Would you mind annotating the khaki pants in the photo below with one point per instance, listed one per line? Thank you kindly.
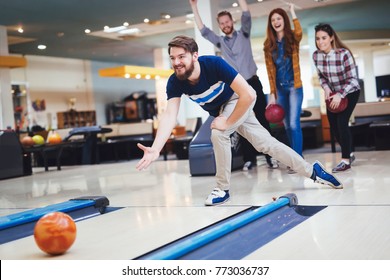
(250, 128)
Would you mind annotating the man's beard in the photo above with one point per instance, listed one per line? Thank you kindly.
(187, 73)
(228, 30)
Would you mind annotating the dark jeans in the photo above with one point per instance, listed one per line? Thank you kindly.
(248, 151)
(339, 124)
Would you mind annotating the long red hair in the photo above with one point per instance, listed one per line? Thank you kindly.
(270, 41)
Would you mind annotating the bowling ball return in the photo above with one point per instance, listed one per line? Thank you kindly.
(19, 225)
(239, 235)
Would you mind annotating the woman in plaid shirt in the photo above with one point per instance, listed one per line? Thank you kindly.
(337, 73)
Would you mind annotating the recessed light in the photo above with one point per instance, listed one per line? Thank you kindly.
(165, 16)
(41, 47)
(87, 31)
(130, 31)
(114, 29)
(20, 30)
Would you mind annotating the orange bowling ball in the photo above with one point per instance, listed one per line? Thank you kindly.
(54, 138)
(55, 233)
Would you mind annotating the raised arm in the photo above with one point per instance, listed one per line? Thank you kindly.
(243, 5)
(198, 19)
(292, 10)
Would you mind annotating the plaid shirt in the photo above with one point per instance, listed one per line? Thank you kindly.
(337, 71)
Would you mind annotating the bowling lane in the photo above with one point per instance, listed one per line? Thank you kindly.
(124, 234)
(335, 233)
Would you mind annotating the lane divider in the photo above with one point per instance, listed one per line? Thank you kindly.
(182, 247)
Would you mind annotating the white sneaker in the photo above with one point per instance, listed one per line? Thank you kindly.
(216, 197)
(272, 164)
(247, 166)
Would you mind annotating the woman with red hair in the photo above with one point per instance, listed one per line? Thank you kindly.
(281, 51)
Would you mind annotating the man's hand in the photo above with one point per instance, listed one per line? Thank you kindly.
(150, 155)
(219, 123)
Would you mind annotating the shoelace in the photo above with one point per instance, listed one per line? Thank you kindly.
(341, 164)
(215, 192)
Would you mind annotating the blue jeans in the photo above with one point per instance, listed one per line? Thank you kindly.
(290, 99)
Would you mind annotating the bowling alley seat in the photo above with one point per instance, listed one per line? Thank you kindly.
(201, 154)
(13, 161)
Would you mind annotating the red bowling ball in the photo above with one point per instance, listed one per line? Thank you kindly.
(274, 113)
(343, 104)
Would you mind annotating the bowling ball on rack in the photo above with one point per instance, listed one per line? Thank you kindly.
(55, 233)
(274, 113)
(38, 140)
(27, 141)
(54, 138)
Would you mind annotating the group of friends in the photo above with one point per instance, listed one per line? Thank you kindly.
(229, 89)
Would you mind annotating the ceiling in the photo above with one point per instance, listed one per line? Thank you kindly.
(60, 25)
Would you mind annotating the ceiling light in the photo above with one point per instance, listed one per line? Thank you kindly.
(165, 16)
(87, 31)
(41, 47)
(125, 23)
(20, 30)
(114, 29)
(234, 5)
(146, 20)
(130, 31)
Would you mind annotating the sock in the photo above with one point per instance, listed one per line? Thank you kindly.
(313, 175)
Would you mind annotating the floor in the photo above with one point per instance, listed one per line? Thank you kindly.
(165, 203)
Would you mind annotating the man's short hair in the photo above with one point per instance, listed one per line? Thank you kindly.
(224, 13)
(184, 42)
